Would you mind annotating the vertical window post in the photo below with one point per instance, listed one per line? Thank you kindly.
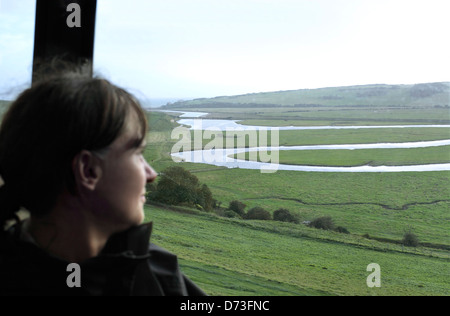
(64, 30)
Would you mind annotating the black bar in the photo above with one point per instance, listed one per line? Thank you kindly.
(58, 38)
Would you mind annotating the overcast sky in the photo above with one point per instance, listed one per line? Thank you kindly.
(206, 48)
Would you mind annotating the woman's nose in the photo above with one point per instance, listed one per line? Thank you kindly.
(149, 172)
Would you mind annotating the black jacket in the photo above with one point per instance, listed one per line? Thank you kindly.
(128, 265)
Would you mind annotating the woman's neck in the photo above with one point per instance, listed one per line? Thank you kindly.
(68, 233)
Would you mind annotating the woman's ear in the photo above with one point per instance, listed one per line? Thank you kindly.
(87, 169)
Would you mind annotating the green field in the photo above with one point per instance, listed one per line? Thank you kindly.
(242, 257)
(360, 157)
(235, 257)
(334, 137)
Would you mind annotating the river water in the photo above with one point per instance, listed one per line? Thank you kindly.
(221, 157)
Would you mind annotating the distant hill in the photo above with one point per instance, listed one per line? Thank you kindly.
(379, 95)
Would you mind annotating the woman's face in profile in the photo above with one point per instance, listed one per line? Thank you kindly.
(125, 173)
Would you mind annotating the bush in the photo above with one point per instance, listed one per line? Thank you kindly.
(237, 207)
(258, 213)
(341, 229)
(231, 214)
(410, 240)
(205, 198)
(324, 222)
(178, 186)
(283, 215)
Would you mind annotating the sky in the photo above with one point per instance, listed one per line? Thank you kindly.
(185, 49)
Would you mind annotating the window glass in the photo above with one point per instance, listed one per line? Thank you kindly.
(352, 95)
(16, 46)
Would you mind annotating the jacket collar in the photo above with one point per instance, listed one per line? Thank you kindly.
(133, 243)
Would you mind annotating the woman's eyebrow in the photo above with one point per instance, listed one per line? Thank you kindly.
(136, 143)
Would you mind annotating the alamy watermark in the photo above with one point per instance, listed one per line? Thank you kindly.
(74, 278)
(374, 278)
(74, 18)
(229, 147)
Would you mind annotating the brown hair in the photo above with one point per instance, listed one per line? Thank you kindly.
(46, 127)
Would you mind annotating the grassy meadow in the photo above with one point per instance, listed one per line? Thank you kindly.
(361, 157)
(236, 257)
(249, 257)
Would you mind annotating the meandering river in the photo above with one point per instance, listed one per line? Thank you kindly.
(224, 157)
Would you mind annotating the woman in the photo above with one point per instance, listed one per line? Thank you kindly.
(71, 155)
